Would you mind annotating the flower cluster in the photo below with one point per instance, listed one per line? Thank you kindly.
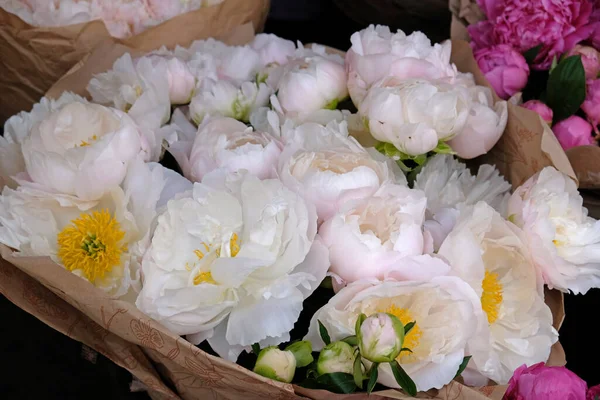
(428, 276)
(410, 96)
(538, 48)
(123, 18)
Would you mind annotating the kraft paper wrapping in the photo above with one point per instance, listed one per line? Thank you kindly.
(172, 368)
(34, 58)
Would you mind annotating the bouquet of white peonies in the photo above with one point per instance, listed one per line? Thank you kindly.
(122, 18)
(54, 35)
(281, 238)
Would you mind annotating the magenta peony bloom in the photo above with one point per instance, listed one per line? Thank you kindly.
(590, 58)
(557, 25)
(542, 109)
(505, 69)
(573, 131)
(539, 382)
(593, 393)
(591, 104)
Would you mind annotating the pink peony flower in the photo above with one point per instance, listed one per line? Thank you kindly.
(505, 69)
(590, 58)
(573, 131)
(593, 393)
(557, 25)
(542, 109)
(591, 104)
(539, 382)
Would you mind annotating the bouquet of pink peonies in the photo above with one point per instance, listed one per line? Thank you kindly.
(543, 55)
(277, 220)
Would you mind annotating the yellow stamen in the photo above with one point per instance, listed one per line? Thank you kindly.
(84, 143)
(491, 298)
(199, 254)
(204, 277)
(93, 244)
(412, 339)
(233, 244)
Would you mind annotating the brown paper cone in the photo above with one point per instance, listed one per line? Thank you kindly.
(171, 367)
(35, 58)
(101, 59)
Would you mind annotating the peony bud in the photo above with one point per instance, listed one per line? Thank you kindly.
(591, 105)
(573, 131)
(380, 337)
(276, 364)
(336, 357)
(302, 352)
(181, 81)
(505, 69)
(311, 83)
(542, 109)
(590, 58)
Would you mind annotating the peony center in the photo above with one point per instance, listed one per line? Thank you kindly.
(412, 338)
(93, 244)
(492, 296)
(206, 276)
(85, 143)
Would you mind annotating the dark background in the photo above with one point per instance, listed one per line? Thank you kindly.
(41, 363)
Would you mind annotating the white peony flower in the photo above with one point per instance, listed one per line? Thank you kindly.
(371, 238)
(485, 125)
(233, 263)
(18, 127)
(222, 98)
(82, 149)
(563, 239)
(445, 311)
(180, 77)
(226, 144)
(449, 187)
(235, 63)
(272, 49)
(377, 53)
(100, 240)
(328, 167)
(487, 252)
(142, 90)
(313, 80)
(415, 115)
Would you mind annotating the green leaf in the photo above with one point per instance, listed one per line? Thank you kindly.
(565, 90)
(531, 54)
(373, 373)
(256, 348)
(358, 373)
(337, 382)
(327, 283)
(462, 366)
(324, 334)
(405, 382)
(554, 64)
(442, 148)
(302, 353)
(408, 327)
(405, 349)
(351, 340)
(359, 321)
